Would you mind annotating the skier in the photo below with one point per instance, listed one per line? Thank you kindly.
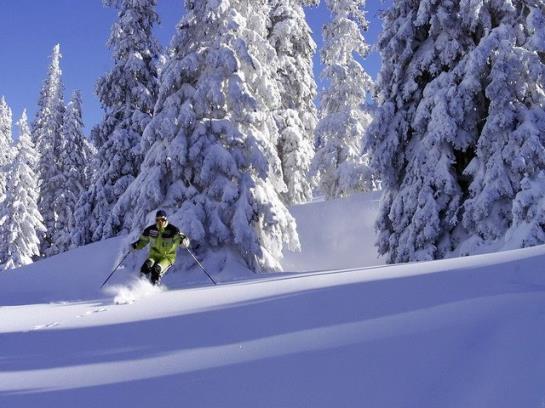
(165, 239)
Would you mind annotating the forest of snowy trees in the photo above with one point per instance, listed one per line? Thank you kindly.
(226, 130)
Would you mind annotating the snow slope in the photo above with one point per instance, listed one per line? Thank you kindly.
(335, 234)
(466, 332)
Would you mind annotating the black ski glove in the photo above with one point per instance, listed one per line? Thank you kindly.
(134, 244)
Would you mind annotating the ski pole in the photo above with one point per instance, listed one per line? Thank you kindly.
(115, 269)
(202, 267)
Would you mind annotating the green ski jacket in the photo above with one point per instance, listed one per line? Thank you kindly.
(164, 242)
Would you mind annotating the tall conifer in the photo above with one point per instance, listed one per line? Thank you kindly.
(290, 35)
(344, 116)
(458, 138)
(20, 208)
(6, 143)
(46, 136)
(212, 161)
(74, 163)
(128, 94)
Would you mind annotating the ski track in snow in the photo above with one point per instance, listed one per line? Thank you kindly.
(91, 312)
(119, 295)
(59, 324)
(46, 326)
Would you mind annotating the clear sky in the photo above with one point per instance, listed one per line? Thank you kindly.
(29, 29)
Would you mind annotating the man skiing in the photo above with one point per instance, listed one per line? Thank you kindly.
(165, 239)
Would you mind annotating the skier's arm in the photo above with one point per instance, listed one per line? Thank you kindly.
(141, 243)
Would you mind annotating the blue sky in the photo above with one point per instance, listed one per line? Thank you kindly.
(30, 28)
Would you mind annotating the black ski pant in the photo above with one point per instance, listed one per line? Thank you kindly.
(155, 269)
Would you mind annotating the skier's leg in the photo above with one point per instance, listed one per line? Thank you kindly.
(158, 270)
(146, 268)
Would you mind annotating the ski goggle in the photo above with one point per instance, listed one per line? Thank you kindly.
(161, 219)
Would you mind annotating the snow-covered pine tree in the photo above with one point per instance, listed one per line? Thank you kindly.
(459, 133)
(6, 156)
(212, 149)
(90, 153)
(20, 209)
(128, 94)
(425, 128)
(6, 142)
(290, 35)
(339, 163)
(46, 134)
(509, 61)
(74, 176)
(528, 212)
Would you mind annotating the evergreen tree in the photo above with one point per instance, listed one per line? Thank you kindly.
(212, 160)
(46, 133)
(6, 143)
(90, 153)
(528, 212)
(20, 211)
(422, 136)
(295, 118)
(344, 116)
(6, 157)
(128, 94)
(74, 175)
(460, 123)
(511, 145)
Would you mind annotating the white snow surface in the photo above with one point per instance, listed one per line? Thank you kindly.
(463, 332)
